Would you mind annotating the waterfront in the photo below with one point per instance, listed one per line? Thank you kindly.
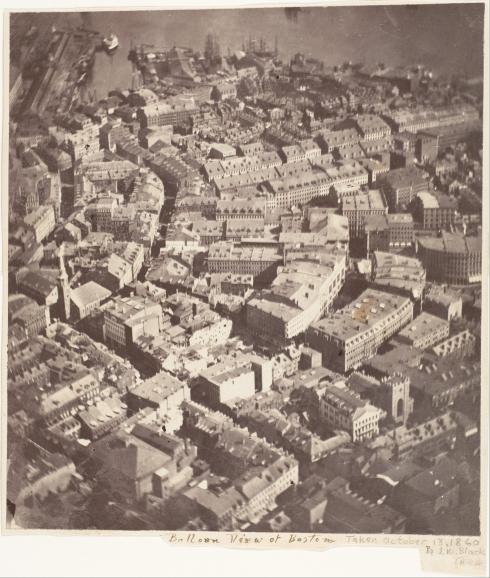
(332, 35)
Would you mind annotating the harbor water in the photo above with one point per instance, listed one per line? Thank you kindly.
(369, 34)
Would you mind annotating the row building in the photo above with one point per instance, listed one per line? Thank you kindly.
(350, 336)
(301, 293)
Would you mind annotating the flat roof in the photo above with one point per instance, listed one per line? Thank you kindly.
(452, 243)
(158, 388)
(229, 252)
(423, 325)
(362, 315)
(370, 200)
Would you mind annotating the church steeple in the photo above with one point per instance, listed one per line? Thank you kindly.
(63, 287)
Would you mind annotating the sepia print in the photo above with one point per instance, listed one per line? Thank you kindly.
(244, 273)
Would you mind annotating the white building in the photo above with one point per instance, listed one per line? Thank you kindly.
(341, 408)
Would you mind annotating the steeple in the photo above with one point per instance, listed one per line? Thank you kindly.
(63, 287)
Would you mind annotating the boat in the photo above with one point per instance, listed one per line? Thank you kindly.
(82, 78)
(110, 42)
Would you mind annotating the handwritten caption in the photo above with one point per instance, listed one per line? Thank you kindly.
(237, 539)
(458, 553)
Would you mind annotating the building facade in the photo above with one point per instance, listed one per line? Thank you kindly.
(352, 335)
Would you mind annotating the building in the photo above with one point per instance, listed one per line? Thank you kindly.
(329, 231)
(223, 91)
(311, 148)
(55, 406)
(372, 127)
(173, 171)
(429, 438)
(208, 231)
(145, 229)
(438, 383)
(133, 467)
(360, 206)
(403, 357)
(379, 148)
(182, 240)
(148, 192)
(207, 329)
(82, 138)
(388, 232)
(421, 119)
(250, 149)
(397, 274)
(165, 113)
(300, 294)
(424, 331)
(220, 509)
(457, 346)
(126, 318)
(237, 229)
(390, 393)
(232, 284)
(430, 493)
(350, 336)
(27, 314)
(259, 472)
(451, 258)
(337, 139)
(302, 188)
(294, 153)
(261, 262)
(401, 185)
(277, 429)
(434, 211)
(261, 486)
(341, 408)
(100, 214)
(177, 472)
(162, 393)
(264, 475)
(41, 288)
(257, 166)
(431, 143)
(129, 148)
(241, 208)
(444, 302)
(43, 474)
(227, 381)
(42, 221)
(142, 97)
(29, 187)
(101, 418)
(125, 267)
(333, 507)
(87, 298)
(96, 176)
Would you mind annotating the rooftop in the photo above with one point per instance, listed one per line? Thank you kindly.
(89, 293)
(398, 272)
(128, 308)
(230, 252)
(424, 324)
(371, 200)
(158, 388)
(362, 315)
(443, 375)
(452, 243)
(38, 282)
